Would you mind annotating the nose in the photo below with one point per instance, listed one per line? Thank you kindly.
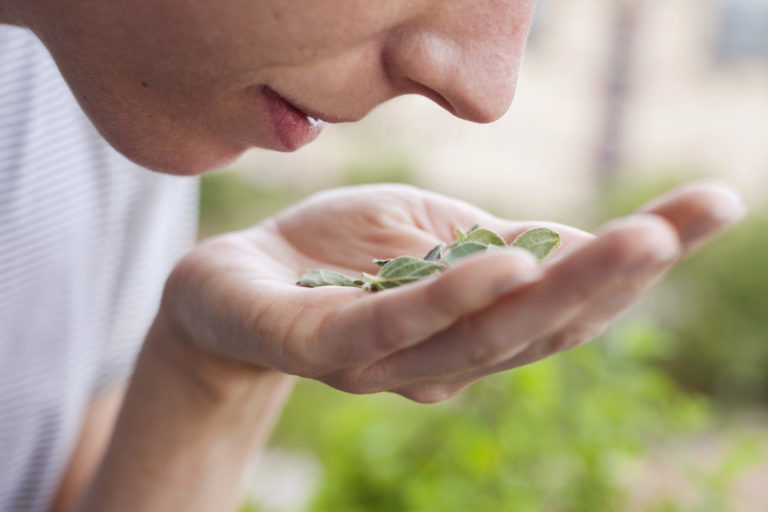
(464, 55)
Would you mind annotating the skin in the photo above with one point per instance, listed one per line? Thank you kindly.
(233, 326)
(428, 340)
(175, 85)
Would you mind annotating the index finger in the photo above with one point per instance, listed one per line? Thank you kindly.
(699, 211)
(368, 329)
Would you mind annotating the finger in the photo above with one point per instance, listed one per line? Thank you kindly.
(382, 323)
(699, 211)
(623, 251)
(587, 325)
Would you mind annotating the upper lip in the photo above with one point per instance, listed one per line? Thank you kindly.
(310, 112)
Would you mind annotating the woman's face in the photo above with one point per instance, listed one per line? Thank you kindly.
(184, 86)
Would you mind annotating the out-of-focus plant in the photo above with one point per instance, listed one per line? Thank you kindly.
(721, 330)
(716, 307)
(249, 506)
(542, 437)
(548, 436)
(743, 453)
(385, 171)
(229, 202)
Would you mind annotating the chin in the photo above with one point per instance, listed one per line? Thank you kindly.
(193, 157)
(192, 164)
(188, 158)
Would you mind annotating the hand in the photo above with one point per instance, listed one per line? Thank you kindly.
(236, 295)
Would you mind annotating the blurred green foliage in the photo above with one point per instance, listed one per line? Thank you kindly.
(715, 305)
(551, 436)
(384, 171)
(543, 437)
(722, 330)
(229, 202)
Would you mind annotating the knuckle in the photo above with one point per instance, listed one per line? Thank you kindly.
(352, 382)
(650, 238)
(428, 394)
(565, 340)
(591, 332)
(558, 342)
(484, 345)
(440, 294)
(389, 332)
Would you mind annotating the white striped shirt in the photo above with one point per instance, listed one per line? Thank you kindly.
(86, 241)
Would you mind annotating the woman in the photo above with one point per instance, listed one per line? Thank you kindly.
(183, 86)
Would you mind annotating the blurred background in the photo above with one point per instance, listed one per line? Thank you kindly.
(618, 101)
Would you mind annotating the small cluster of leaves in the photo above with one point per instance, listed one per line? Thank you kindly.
(541, 242)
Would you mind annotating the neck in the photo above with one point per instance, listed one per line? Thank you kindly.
(9, 14)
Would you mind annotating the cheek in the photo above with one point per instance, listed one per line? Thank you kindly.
(198, 61)
(163, 136)
(229, 46)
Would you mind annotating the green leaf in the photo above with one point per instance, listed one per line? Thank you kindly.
(436, 254)
(463, 250)
(403, 270)
(407, 269)
(372, 283)
(540, 241)
(321, 277)
(485, 237)
(461, 234)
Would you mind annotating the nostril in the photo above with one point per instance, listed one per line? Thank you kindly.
(417, 88)
(473, 82)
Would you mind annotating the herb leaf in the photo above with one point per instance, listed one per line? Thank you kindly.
(320, 277)
(485, 237)
(463, 250)
(407, 269)
(436, 254)
(404, 270)
(461, 235)
(540, 241)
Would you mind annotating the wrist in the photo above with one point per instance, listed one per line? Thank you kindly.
(215, 377)
(190, 420)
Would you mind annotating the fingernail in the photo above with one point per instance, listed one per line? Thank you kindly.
(732, 208)
(727, 210)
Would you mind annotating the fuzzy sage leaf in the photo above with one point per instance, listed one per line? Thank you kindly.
(321, 277)
(402, 270)
(485, 237)
(539, 241)
(461, 234)
(463, 250)
(436, 254)
(407, 269)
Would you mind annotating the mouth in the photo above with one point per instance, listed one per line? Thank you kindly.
(293, 126)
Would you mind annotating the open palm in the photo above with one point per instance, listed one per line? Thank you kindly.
(236, 294)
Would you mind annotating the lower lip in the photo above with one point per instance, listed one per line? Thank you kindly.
(293, 128)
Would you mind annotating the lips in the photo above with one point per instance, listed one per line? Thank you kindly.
(293, 128)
